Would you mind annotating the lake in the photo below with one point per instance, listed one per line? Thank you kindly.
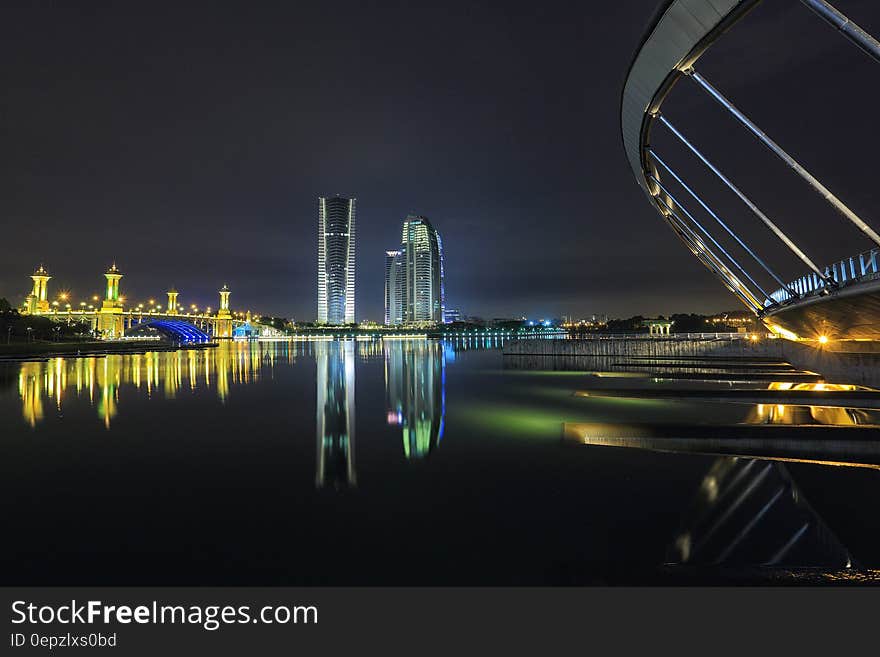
(420, 462)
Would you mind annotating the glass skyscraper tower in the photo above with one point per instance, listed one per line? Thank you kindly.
(394, 282)
(414, 275)
(336, 260)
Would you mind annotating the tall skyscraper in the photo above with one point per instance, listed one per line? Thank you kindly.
(394, 280)
(414, 276)
(336, 260)
(423, 293)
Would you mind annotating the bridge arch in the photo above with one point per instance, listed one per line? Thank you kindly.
(173, 329)
(822, 301)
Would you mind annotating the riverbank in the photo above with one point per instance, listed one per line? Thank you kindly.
(40, 350)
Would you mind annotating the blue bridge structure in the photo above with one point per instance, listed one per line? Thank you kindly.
(173, 330)
(838, 301)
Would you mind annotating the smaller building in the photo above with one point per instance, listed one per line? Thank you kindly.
(658, 326)
(245, 331)
(451, 315)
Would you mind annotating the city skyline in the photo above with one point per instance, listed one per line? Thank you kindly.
(525, 168)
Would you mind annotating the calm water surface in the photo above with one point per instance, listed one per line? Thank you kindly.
(397, 462)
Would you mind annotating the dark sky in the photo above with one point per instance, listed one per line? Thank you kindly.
(190, 141)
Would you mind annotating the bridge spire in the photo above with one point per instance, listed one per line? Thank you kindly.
(172, 301)
(110, 321)
(37, 300)
(223, 323)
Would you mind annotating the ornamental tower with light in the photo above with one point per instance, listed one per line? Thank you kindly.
(223, 323)
(110, 322)
(172, 301)
(37, 300)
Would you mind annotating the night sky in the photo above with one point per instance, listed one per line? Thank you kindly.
(189, 143)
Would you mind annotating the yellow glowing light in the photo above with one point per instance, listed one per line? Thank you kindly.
(754, 338)
(823, 339)
(785, 333)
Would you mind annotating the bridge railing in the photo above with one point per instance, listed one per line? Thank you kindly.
(857, 268)
(671, 336)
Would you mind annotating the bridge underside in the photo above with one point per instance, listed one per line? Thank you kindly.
(174, 330)
(849, 314)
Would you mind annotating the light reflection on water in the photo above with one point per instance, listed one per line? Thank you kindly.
(415, 379)
(99, 380)
(501, 462)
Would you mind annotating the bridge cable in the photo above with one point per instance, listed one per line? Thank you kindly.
(745, 199)
(868, 44)
(715, 216)
(835, 202)
(713, 263)
(693, 219)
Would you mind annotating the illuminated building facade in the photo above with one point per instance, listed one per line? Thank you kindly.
(336, 260)
(394, 282)
(420, 293)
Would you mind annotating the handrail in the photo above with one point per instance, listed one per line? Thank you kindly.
(858, 268)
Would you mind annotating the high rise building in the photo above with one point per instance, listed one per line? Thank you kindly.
(394, 281)
(420, 294)
(336, 260)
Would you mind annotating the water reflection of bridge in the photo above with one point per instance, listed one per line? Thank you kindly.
(838, 301)
(105, 381)
(414, 387)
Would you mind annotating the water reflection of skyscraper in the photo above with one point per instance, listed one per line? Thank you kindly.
(335, 419)
(415, 393)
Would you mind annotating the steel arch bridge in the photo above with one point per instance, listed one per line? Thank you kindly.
(841, 300)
